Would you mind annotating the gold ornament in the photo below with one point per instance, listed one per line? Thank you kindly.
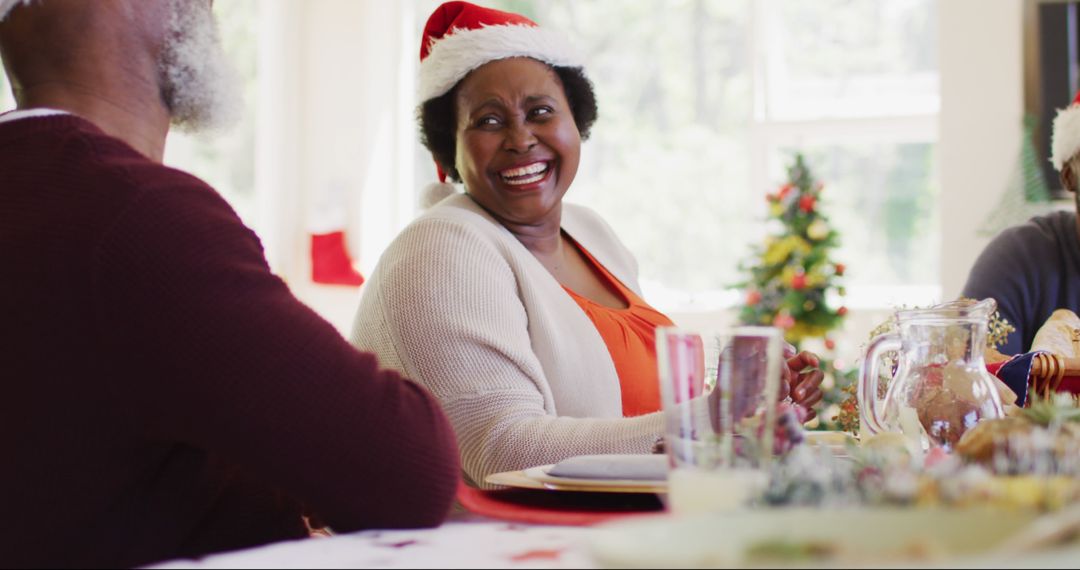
(817, 230)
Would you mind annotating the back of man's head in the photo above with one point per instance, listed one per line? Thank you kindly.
(169, 50)
(76, 40)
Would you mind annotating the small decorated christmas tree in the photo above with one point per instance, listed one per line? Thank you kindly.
(791, 275)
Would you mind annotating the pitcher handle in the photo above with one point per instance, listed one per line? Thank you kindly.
(868, 381)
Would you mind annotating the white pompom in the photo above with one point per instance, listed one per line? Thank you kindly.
(435, 192)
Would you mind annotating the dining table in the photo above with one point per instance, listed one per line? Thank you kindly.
(522, 527)
(464, 541)
(472, 540)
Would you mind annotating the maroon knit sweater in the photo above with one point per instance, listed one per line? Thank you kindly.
(164, 395)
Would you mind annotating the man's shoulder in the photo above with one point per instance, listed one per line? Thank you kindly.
(1026, 255)
(1040, 234)
(127, 167)
(1059, 226)
(79, 163)
(149, 184)
(148, 195)
(83, 154)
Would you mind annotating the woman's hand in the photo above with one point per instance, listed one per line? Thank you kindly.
(802, 379)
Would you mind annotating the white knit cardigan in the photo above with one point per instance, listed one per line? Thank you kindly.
(459, 305)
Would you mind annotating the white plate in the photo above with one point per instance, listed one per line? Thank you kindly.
(856, 537)
(538, 478)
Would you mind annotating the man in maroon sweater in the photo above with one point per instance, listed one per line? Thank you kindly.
(164, 395)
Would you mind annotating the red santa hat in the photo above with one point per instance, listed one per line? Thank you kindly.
(460, 37)
(1066, 137)
(7, 5)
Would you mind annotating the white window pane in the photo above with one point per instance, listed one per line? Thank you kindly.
(851, 58)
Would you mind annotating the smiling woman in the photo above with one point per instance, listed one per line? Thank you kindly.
(521, 313)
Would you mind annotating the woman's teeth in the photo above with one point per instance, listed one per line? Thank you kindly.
(527, 174)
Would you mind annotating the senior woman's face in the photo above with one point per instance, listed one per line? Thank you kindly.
(518, 147)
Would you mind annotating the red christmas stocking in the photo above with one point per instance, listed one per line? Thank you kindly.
(330, 261)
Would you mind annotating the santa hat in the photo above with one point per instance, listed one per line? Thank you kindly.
(460, 37)
(1066, 137)
(7, 5)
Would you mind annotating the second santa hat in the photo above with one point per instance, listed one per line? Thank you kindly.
(1066, 134)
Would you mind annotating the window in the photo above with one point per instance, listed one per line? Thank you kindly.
(702, 104)
(854, 85)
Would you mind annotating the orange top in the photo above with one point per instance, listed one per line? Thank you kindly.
(630, 336)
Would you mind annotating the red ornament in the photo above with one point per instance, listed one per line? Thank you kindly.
(784, 191)
(806, 203)
(830, 344)
(798, 282)
(784, 321)
(840, 267)
(841, 311)
(753, 297)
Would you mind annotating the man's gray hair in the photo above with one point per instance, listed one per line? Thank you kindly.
(7, 5)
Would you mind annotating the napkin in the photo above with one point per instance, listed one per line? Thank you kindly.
(651, 467)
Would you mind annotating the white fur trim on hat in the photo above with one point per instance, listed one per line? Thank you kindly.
(461, 51)
(1066, 138)
(7, 5)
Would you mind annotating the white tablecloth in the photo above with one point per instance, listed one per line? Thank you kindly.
(469, 541)
(459, 544)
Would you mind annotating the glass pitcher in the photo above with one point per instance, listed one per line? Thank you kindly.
(941, 387)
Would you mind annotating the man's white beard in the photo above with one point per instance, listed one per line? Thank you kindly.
(200, 86)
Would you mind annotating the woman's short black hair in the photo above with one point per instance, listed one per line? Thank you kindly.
(438, 117)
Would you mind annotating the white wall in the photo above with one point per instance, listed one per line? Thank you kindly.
(981, 112)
